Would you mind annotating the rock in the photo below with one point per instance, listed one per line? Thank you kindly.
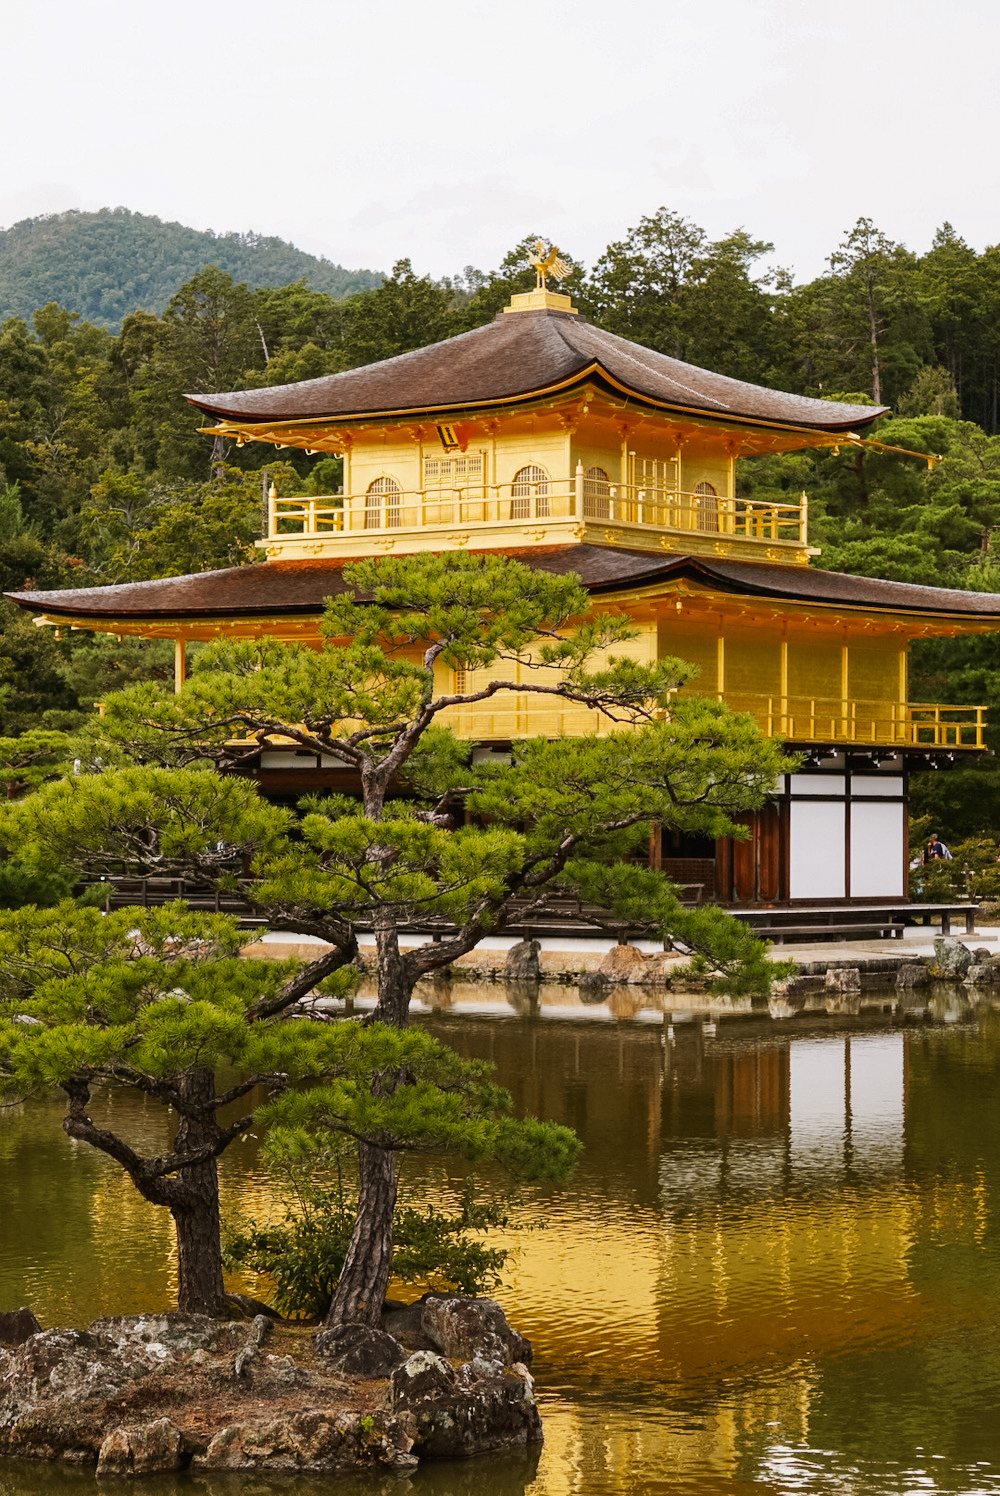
(660, 966)
(593, 988)
(912, 974)
(404, 1323)
(359, 1351)
(522, 963)
(55, 1397)
(17, 1326)
(313, 1441)
(244, 1305)
(258, 1331)
(463, 1328)
(796, 986)
(982, 974)
(951, 957)
(168, 1334)
(459, 1415)
(843, 979)
(623, 963)
(982, 953)
(141, 1451)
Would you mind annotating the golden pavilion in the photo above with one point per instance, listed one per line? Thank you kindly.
(572, 449)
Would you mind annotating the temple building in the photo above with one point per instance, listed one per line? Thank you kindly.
(572, 449)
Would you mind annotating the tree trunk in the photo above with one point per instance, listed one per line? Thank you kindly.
(395, 983)
(367, 1267)
(876, 379)
(200, 1285)
(859, 469)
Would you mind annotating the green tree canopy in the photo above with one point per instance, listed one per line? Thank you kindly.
(563, 816)
(159, 1002)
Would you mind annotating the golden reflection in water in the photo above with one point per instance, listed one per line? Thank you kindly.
(782, 1239)
(776, 1270)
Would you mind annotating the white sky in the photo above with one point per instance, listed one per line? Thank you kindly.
(445, 131)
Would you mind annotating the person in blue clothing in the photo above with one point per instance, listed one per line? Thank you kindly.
(935, 850)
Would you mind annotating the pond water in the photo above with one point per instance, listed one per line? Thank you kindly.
(777, 1269)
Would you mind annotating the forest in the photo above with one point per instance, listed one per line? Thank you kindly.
(104, 477)
(107, 264)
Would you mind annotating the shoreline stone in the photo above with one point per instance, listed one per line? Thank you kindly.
(522, 964)
(952, 959)
(17, 1326)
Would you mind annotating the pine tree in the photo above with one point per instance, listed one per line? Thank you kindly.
(431, 841)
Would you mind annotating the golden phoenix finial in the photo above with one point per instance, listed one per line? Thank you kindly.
(548, 264)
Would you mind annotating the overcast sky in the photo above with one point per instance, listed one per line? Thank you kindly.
(370, 130)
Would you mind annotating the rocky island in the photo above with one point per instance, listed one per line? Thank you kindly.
(445, 1378)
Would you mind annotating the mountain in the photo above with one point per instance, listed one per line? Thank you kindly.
(107, 264)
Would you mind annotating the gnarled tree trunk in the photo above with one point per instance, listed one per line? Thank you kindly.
(364, 1281)
(195, 1205)
(368, 1265)
(395, 980)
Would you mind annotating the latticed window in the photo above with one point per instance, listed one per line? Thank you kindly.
(530, 484)
(596, 493)
(447, 470)
(708, 507)
(387, 492)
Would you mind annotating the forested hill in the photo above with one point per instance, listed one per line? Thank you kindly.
(107, 264)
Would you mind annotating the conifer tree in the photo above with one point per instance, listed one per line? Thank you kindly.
(159, 1002)
(431, 841)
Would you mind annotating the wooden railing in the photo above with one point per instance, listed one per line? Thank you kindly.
(796, 719)
(828, 720)
(484, 505)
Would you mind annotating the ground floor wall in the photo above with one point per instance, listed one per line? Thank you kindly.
(834, 832)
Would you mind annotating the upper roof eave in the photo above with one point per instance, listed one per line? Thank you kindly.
(520, 358)
(594, 373)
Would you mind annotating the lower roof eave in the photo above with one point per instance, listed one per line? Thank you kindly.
(275, 590)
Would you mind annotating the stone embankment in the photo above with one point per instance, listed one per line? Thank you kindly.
(841, 983)
(447, 1378)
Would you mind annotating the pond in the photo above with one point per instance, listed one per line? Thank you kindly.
(777, 1269)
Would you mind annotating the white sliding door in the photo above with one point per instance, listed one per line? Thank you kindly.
(816, 861)
(876, 849)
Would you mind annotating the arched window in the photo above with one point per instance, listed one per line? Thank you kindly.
(386, 489)
(708, 507)
(529, 490)
(596, 494)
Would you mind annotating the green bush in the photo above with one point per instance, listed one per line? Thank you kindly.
(304, 1253)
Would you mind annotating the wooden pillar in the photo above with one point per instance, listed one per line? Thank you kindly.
(724, 869)
(180, 665)
(845, 669)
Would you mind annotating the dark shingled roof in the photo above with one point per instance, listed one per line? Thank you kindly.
(297, 588)
(515, 358)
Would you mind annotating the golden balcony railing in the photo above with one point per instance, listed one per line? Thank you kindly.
(818, 719)
(796, 719)
(386, 509)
